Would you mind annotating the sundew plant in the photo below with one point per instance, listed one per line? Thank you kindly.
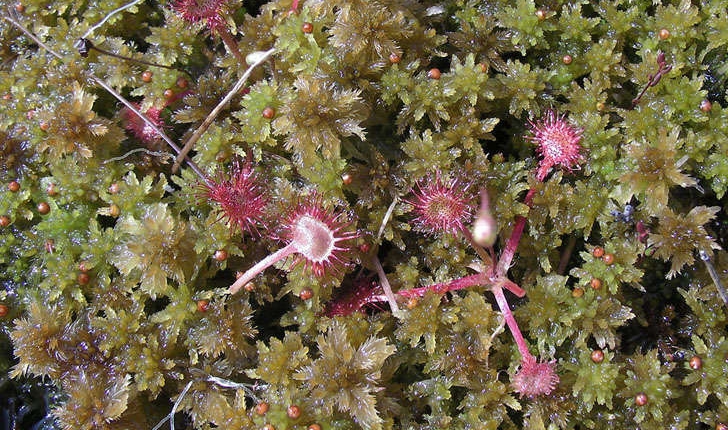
(383, 214)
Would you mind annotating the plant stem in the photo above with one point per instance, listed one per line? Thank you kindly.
(510, 251)
(231, 43)
(216, 111)
(442, 288)
(385, 285)
(262, 265)
(505, 309)
(566, 255)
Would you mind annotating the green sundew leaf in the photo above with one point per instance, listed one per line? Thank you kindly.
(651, 169)
(467, 79)
(421, 323)
(256, 127)
(647, 374)
(710, 378)
(153, 248)
(521, 86)
(279, 360)
(177, 313)
(677, 237)
(427, 151)
(596, 383)
(345, 376)
(527, 29)
(226, 328)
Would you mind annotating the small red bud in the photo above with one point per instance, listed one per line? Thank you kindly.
(706, 106)
(220, 255)
(4, 310)
(347, 179)
(598, 252)
(541, 14)
(314, 427)
(307, 28)
(305, 294)
(566, 59)
(597, 356)
(168, 94)
(147, 76)
(293, 412)
(14, 186)
(43, 208)
(4, 221)
(203, 305)
(19, 7)
(51, 189)
(262, 408)
(577, 292)
(269, 112)
(608, 259)
(182, 83)
(412, 302)
(434, 73)
(640, 399)
(664, 34)
(83, 278)
(596, 283)
(696, 363)
(394, 58)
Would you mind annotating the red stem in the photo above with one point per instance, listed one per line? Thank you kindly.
(261, 266)
(510, 251)
(442, 288)
(500, 298)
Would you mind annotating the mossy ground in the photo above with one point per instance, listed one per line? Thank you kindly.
(115, 267)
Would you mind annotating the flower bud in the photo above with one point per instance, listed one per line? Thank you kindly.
(485, 228)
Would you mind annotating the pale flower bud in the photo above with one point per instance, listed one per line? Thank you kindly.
(485, 228)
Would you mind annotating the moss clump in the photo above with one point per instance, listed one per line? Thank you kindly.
(596, 130)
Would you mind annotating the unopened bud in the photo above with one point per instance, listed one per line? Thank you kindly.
(485, 228)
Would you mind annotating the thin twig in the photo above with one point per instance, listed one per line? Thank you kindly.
(170, 416)
(107, 17)
(114, 93)
(714, 275)
(385, 285)
(387, 215)
(566, 255)
(151, 124)
(87, 43)
(220, 106)
(144, 150)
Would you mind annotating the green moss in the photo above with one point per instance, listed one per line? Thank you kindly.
(114, 293)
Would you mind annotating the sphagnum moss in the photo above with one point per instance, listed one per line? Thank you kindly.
(115, 270)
